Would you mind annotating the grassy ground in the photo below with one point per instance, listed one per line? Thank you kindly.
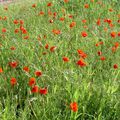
(71, 49)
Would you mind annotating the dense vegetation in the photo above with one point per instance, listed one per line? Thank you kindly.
(60, 60)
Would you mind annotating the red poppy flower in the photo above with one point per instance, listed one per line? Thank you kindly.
(26, 37)
(62, 19)
(99, 43)
(108, 21)
(82, 54)
(105, 29)
(98, 22)
(12, 48)
(111, 25)
(49, 4)
(115, 66)
(99, 53)
(114, 49)
(86, 5)
(32, 81)
(21, 22)
(110, 9)
(81, 63)
(49, 13)
(85, 26)
(16, 30)
(13, 81)
(13, 64)
(35, 89)
(74, 106)
(34, 5)
(39, 38)
(41, 13)
(55, 31)
(4, 18)
(70, 16)
(43, 91)
(84, 21)
(1, 70)
(119, 34)
(72, 24)
(26, 69)
(66, 1)
(15, 21)
(44, 53)
(116, 44)
(21, 27)
(55, 14)
(84, 34)
(102, 58)
(38, 73)
(46, 46)
(53, 48)
(4, 30)
(24, 31)
(118, 21)
(65, 59)
(113, 34)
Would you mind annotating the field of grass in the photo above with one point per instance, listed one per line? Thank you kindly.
(60, 60)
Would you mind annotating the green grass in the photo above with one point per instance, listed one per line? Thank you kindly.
(95, 87)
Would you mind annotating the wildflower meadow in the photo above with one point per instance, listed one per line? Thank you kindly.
(60, 60)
